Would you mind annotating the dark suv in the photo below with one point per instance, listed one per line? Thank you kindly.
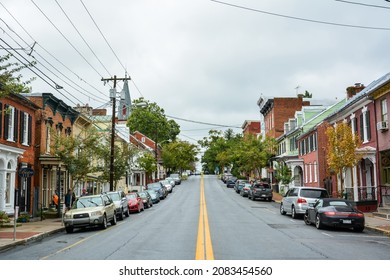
(260, 190)
(121, 204)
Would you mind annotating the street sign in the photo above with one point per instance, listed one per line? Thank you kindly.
(26, 172)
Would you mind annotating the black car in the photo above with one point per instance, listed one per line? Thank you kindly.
(334, 212)
(260, 190)
(154, 195)
(231, 182)
(146, 198)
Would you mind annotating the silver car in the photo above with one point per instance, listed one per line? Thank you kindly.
(297, 200)
(88, 211)
(121, 203)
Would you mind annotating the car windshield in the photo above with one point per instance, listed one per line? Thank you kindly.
(165, 182)
(84, 202)
(143, 195)
(152, 193)
(338, 203)
(131, 196)
(114, 196)
(175, 176)
(313, 193)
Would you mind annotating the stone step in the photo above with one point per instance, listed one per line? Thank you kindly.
(382, 215)
(384, 210)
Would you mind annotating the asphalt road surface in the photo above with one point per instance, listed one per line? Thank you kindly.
(202, 219)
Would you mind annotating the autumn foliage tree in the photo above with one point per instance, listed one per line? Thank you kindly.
(342, 145)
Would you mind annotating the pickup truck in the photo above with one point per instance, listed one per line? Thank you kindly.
(260, 190)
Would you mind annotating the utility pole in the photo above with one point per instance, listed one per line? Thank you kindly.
(113, 98)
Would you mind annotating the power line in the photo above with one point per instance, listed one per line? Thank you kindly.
(364, 4)
(51, 55)
(301, 19)
(108, 44)
(199, 122)
(70, 43)
(78, 32)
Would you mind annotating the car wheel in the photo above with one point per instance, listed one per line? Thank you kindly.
(306, 219)
(282, 212)
(293, 213)
(253, 197)
(127, 213)
(319, 224)
(121, 215)
(69, 229)
(104, 224)
(113, 221)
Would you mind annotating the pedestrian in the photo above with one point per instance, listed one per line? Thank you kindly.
(55, 199)
(68, 199)
(73, 198)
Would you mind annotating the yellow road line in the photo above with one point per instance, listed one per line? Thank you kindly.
(204, 247)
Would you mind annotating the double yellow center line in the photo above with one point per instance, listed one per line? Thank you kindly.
(204, 247)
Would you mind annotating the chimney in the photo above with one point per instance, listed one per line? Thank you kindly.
(353, 90)
(99, 112)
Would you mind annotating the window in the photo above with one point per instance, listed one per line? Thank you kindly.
(10, 124)
(8, 184)
(25, 128)
(48, 139)
(384, 117)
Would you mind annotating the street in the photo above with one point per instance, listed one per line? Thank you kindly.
(220, 225)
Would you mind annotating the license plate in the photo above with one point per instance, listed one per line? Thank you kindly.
(263, 195)
(347, 221)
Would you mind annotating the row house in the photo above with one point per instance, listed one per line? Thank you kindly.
(275, 112)
(156, 148)
(17, 143)
(50, 175)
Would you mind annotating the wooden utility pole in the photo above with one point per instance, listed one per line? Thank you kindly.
(113, 98)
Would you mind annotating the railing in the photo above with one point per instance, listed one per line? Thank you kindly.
(364, 193)
(385, 194)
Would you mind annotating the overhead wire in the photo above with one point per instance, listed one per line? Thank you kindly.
(300, 18)
(51, 55)
(31, 69)
(364, 4)
(82, 37)
(49, 70)
(108, 44)
(66, 39)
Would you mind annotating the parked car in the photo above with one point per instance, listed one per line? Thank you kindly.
(121, 203)
(162, 193)
(176, 177)
(146, 199)
(260, 190)
(239, 185)
(154, 195)
(172, 181)
(297, 200)
(90, 211)
(245, 189)
(225, 177)
(167, 184)
(135, 202)
(231, 182)
(334, 212)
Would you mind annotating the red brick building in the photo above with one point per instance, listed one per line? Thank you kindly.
(17, 141)
(277, 111)
(251, 127)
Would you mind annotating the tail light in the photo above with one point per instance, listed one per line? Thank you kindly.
(301, 200)
(330, 213)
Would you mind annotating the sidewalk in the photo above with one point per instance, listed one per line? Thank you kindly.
(30, 231)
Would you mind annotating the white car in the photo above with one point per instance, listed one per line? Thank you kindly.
(167, 184)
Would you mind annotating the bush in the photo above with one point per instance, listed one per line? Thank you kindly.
(4, 219)
(23, 218)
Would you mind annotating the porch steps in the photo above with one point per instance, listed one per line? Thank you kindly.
(383, 212)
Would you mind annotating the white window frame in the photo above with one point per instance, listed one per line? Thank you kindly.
(11, 124)
(25, 129)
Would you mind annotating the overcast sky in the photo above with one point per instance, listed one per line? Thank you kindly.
(202, 60)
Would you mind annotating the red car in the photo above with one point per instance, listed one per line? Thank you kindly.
(135, 202)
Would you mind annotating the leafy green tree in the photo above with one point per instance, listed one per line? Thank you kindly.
(77, 152)
(147, 162)
(10, 79)
(252, 153)
(342, 145)
(179, 155)
(151, 121)
(214, 145)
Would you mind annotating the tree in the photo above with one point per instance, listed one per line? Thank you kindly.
(283, 173)
(77, 152)
(151, 121)
(147, 162)
(252, 153)
(179, 155)
(342, 145)
(10, 80)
